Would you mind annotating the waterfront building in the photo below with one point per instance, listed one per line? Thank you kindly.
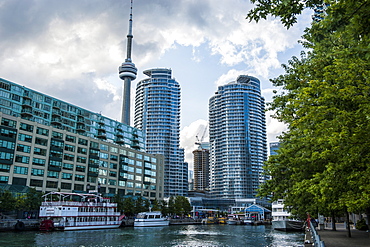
(50, 144)
(127, 72)
(201, 167)
(157, 114)
(237, 131)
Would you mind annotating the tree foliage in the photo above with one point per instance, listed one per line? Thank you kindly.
(324, 160)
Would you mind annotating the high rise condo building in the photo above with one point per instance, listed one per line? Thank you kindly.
(49, 144)
(157, 114)
(237, 131)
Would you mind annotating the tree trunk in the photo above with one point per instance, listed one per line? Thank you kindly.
(333, 226)
(347, 225)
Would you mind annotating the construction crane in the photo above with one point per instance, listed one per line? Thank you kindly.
(199, 141)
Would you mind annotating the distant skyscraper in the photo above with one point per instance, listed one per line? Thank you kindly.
(201, 168)
(127, 72)
(157, 113)
(274, 146)
(237, 131)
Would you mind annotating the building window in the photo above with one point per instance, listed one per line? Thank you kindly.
(42, 131)
(56, 154)
(69, 157)
(79, 187)
(67, 176)
(4, 168)
(37, 172)
(112, 174)
(79, 177)
(6, 156)
(66, 186)
(103, 163)
(112, 182)
(103, 155)
(82, 141)
(104, 147)
(58, 144)
(81, 150)
(7, 144)
(8, 133)
(81, 159)
(52, 174)
(70, 138)
(38, 162)
(80, 168)
(26, 127)
(113, 150)
(69, 148)
(36, 183)
(23, 148)
(39, 151)
(57, 135)
(25, 138)
(94, 145)
(8, 122)
(22, 159)
(113, 157)
(51, 184)
(41, 141)
(55, 163)
(113, 166)
(20, 170)
(67, 166)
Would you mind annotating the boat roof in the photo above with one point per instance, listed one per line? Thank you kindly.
(66, 194)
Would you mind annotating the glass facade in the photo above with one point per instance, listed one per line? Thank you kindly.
(19, 101)
(237, 130)
(157, 114)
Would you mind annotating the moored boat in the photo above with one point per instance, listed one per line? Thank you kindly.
(154, 218)
(77, 211)
(282, 220)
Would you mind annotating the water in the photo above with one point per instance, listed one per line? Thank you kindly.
(187, 235)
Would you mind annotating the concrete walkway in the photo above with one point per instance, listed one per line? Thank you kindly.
(339, 238)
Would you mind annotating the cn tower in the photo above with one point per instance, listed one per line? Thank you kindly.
(127, 72)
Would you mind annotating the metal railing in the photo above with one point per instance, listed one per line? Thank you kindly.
(316, 237)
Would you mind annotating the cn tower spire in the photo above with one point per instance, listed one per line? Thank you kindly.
(127, 72)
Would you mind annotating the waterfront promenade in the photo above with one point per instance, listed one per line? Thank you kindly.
(339, 237)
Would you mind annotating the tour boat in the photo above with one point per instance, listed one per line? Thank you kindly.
(76, 211)
(154, 218)
(282, 220)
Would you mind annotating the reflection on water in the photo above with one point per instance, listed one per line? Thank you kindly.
(188, 235)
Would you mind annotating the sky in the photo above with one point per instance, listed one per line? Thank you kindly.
(72, 49)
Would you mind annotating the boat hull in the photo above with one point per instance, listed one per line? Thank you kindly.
(141, 223)
(96, 227)
(287, 225)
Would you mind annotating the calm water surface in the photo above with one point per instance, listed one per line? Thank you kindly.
(188, 235)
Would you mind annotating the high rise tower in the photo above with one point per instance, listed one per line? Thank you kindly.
(127, 72)
(157, 113)
(237, 133)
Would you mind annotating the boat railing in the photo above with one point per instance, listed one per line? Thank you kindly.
(72, 203)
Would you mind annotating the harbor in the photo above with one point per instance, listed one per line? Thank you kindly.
(173, 235)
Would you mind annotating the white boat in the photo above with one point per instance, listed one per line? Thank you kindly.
(154, 218)
(282, 220)
(76, 211)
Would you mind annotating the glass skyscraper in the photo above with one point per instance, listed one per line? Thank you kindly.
(157, 114)
(237, 131)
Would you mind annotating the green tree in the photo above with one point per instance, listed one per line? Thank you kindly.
(181, 206)
(323, 163)
(128, 206)
(7, 201)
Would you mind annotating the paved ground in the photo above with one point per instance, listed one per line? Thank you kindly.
(339, 238)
